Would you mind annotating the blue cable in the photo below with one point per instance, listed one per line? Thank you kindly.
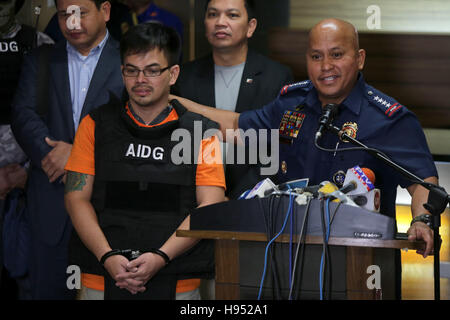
(327, 235)
(288, 213)
(290, 248)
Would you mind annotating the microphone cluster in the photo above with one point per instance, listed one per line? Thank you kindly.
(358, 189)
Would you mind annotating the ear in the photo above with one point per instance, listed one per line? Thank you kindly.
(174, 73)
(105, 8)
(252, 24)
(361, 58)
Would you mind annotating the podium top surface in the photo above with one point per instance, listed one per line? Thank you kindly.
(337, 241)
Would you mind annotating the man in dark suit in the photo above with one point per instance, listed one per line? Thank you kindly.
(232, 75)
(83, 71)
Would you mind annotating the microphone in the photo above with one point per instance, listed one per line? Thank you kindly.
(369, 200)
(327, 187)
(359, 186)
(329, 112)
(330, 190)
(358, 181)
(298, 186)
(349, 187)
(261, 189)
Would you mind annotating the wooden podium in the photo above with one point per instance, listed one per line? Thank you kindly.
(360, 254)
(239, 228)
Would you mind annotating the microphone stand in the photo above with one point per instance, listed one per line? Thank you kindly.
(438, 198)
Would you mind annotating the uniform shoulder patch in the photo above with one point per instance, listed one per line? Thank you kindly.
(303, 85)
(388, 105)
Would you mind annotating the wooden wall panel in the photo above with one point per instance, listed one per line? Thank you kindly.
(417, 16)
(411, 68)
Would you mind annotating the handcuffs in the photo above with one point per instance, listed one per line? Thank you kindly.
(131, 254)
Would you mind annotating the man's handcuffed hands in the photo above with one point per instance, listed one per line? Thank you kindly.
(133, 275)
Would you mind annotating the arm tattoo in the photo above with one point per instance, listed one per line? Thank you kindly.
(75, 181)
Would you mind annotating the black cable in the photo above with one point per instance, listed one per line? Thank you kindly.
(266, 222)
(349, 149)
(324, 248)
(270, 222)
(335, 212)
(330, 281)
(268, 219)
(300, 245)
(326, 271)
(276, 288)
(328, 265)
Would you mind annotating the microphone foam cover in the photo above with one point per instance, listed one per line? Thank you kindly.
(370, 174)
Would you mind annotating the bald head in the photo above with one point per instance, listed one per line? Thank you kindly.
(334, 59)
(338, 27)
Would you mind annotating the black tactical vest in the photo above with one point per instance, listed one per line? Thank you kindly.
(140, 195)
(11, 57)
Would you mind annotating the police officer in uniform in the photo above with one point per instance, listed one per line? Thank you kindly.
(141, 194)
(335, 62)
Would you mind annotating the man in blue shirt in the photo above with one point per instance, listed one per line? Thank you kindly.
(83, 72)
(335, 62)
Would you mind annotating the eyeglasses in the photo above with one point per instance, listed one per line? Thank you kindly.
(150, 72)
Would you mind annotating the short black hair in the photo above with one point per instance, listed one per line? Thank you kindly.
(98, 3)
(249, 6)
(148, 36)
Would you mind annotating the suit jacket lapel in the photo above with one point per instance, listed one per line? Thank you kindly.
(105, 66)
(59, 73)
(249, 83)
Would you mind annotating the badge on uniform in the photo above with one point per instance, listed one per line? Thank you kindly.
(339, 178)
(350, 129)
(283, 167)
(290, 124)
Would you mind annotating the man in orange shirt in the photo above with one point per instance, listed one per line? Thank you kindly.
(126, 192)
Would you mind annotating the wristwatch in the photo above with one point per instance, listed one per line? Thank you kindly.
(425, 218)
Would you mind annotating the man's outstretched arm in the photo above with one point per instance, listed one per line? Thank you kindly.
(228, 120)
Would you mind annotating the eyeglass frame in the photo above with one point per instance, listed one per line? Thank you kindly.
(143, 71)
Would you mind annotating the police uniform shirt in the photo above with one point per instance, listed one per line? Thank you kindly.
(155, 13)
(381, 123)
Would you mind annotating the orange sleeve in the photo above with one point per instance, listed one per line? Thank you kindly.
(210, 165)
(82, 158)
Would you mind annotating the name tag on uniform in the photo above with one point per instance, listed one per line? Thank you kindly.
(137, 151)
(290, 125)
